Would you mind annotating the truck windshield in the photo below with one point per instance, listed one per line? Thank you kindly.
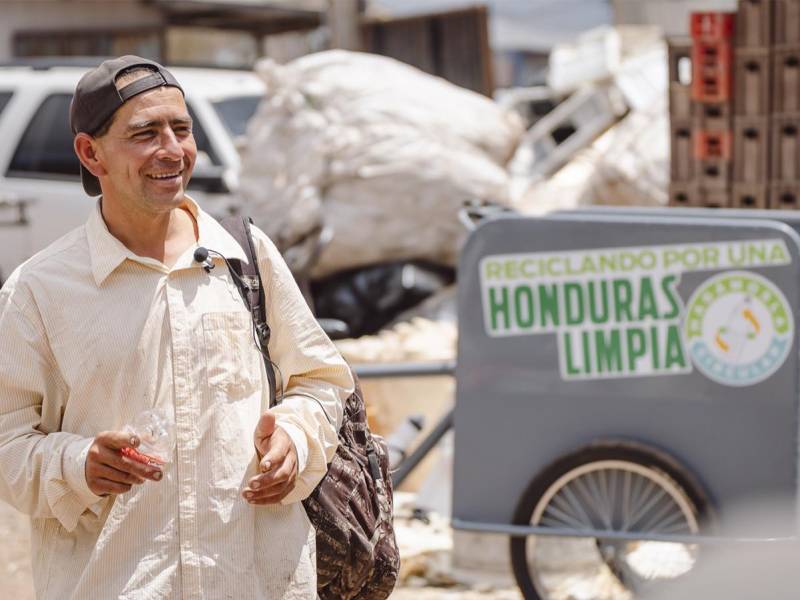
(235, 112)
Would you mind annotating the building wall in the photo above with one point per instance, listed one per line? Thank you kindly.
(71, 15)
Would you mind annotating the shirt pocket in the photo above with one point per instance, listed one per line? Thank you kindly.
(233, 363)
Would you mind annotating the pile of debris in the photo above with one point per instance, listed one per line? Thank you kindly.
(357, 165)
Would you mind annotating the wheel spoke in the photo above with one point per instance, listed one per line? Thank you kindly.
(670, 521)
(682, 527)
(665, 510)
(591, 483)
(564, 517)
(612, 496)
(581, 486)
(608, 506)
(576, 504)
(626, 497)
(642, 511)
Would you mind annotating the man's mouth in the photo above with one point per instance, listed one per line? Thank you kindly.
(165, 176)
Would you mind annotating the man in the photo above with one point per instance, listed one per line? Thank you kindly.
(116, 318)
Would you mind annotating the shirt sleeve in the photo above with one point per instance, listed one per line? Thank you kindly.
(41, 469)
(314, 377)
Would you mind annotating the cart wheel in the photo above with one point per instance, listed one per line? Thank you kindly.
(617, 486)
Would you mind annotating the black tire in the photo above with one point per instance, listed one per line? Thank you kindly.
(677, 480)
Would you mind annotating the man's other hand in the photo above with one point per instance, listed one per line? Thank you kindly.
(278, 464)
(108, 471)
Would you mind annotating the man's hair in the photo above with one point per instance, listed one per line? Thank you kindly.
(123, 79)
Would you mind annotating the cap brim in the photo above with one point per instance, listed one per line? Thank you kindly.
(91, 184)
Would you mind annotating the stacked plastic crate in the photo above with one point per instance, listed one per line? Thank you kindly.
(701, 109)
(712, 89)
(736, 141)
(752, 103)
(784, 171)
(683, 187)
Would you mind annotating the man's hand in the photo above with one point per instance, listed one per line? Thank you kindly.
(108, 471)
(278, 466)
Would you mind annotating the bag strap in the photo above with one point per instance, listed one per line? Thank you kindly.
(248, 281)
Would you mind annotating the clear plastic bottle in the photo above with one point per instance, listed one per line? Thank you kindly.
(400, 440)
(155, 429)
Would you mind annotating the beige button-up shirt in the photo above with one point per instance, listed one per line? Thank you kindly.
(91, 335)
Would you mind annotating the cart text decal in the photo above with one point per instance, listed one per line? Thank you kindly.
(617, 313)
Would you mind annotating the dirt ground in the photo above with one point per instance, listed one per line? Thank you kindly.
(16, 582)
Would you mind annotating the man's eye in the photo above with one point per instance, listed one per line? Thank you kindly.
(143, 134)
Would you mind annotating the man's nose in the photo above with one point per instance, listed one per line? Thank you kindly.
(170, 146)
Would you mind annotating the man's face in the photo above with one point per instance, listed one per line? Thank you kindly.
(149, 151)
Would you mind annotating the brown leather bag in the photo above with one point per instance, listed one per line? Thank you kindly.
(351, 508)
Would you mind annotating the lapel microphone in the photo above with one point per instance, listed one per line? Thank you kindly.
(201, 256)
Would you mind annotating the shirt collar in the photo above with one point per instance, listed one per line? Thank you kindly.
(106, 252)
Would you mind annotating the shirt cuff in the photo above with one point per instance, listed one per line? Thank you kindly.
(298, 438)
(74, 466)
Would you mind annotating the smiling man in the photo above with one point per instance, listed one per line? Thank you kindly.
(117, 318)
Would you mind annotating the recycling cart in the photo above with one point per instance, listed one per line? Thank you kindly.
(624, 382)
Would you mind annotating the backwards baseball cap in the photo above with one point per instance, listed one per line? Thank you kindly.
(97, 98)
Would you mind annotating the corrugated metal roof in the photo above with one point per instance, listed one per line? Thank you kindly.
(286, 5)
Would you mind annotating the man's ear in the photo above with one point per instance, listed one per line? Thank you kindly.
(86, 148)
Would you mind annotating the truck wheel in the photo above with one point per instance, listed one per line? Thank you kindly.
(615, 486)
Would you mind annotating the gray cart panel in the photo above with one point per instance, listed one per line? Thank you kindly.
(515, 413)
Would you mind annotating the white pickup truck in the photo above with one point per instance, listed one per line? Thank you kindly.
(41, 197)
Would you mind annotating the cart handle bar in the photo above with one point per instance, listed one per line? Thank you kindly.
(405, 369)
(526, 530)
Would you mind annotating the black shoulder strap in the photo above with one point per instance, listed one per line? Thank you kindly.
(248, 281)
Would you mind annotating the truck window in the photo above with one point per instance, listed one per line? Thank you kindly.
(46, 146)
(236, 112)
(201, 138)
(4, 98)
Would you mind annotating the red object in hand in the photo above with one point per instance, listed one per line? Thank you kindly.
(145, 459)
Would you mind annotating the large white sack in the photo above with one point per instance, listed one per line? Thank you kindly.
(380, 152)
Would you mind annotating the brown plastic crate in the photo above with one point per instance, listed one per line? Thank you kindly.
(785, 196)
(711, 116)
(786, 79)
(713, 174)
(785, 148)
(751, 81)
(710, 198)
(680, 101)
(754, 23)
(750, 195)
(679, 49)
(750, 149)
(683, 193)
(787, 22)
(681, 151)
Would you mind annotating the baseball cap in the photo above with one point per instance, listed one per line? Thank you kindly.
(96, 99)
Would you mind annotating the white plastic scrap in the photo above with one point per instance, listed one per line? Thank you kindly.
(379, 151)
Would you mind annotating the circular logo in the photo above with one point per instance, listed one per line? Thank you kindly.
(738, 328)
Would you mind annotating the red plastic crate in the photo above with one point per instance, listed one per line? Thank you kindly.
(712, 71)
(713, 144)
(713, 26)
